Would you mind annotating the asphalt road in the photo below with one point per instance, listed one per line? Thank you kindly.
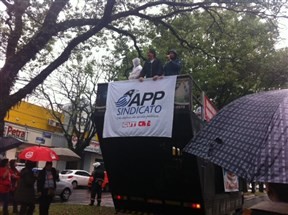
(250, 200)
(82, 196)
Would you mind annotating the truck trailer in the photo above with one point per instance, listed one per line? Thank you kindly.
(152, 175)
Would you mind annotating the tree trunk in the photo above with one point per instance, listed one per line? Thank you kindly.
(3, 112)
(2, 124)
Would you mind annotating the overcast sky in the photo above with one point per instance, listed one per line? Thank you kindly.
(283, 42)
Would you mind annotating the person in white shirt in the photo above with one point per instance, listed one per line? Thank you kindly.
(135, 73)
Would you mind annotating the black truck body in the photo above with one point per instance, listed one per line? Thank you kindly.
(153, 175)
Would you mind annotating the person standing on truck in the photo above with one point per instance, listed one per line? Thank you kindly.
(135, 73)
(96, 188)
(152, 67)
(173, 66)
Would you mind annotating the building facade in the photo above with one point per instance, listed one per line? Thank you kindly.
(35, 125)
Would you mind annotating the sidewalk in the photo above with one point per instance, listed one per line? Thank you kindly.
(253, 198)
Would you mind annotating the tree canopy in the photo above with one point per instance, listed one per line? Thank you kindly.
(39, 36)
(229, 55)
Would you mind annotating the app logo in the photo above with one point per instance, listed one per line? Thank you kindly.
(125, 99)
(135, 102)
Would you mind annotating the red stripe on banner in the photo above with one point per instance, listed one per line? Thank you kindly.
(209, 109)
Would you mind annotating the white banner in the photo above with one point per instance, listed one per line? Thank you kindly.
(136, 108)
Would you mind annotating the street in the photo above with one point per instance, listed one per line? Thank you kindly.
(82, 196)
(251, 199)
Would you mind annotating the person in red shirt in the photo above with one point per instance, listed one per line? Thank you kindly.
(5, 184)
(15, 175)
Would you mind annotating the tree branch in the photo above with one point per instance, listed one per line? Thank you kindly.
(171, 3)
(126, 33)
(214, 19)
(108, 9)
(19, 10)
(50, 28)
(52, 15)
(54, 112)
(42, 39)
(36, 81)
(37, 42)
(182, 41)
(15, 62)
(7, 4)
(176, 12)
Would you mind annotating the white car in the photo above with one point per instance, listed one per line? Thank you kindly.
(76, 177)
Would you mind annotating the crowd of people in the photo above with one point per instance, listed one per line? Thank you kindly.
(153, 68)
(18, 188)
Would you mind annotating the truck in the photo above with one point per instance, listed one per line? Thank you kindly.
(153, 175)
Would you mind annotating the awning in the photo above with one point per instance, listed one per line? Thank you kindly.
(66, 154)
(7, 143)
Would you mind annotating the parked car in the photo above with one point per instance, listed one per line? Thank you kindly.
(76, 177)
(105, 184)
(63, 188)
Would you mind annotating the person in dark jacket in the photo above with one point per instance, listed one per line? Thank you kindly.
(25, 192)
(96, 188)
(173, 66)
(46, 185)
(152, 67)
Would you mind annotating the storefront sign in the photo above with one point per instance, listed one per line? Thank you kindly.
(140, 109)
(47, 134)
(40, 140)
(15, 132)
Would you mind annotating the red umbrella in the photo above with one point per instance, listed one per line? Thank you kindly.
(38, 153)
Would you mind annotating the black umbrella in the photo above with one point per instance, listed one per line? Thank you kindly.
(7, 143)
(249, 137)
